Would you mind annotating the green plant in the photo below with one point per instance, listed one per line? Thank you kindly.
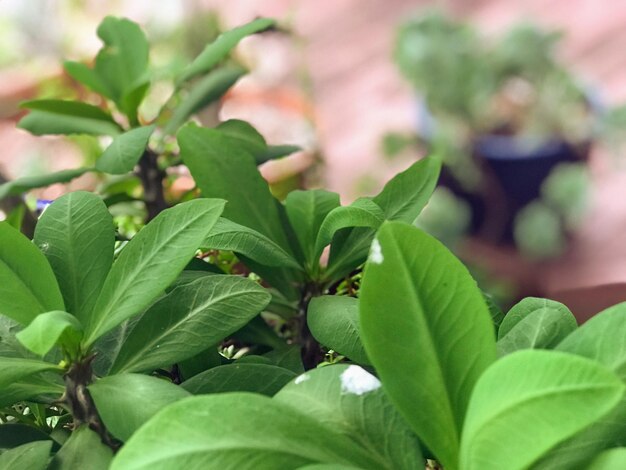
(292, 362)
(546, 394)
(489, 101)
(142, 151)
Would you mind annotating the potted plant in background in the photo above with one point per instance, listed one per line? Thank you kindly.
(513, 126)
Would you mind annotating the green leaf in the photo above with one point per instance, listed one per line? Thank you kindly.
(125, 151)
(245, 135)
(611, 459)
(402, 199)
(601, 339)
(13, 369)
(422, 317)
(87, 76)
(77, 235)
(168, 332)
(350, 400)
(84, 449)
(126, 401)
(21, 185)
(524, 402)
(208, 90)
(361, 213)
(535, 324)
(237, 430)
(122, 63)
(222, 170)
(205, 360)
(9, 345)
(31, 456)
(525, 307)
(265, 379)
(66, 117)
(274, 152)
(27, 284)
(497, 315)
(49, 329)
(219, 49)
(306, 211)
(289, 357)
(40, 388)
(227, 235)
(328, 466)
(150, 262)
(259, 332)
(334, 322)
(16, 434)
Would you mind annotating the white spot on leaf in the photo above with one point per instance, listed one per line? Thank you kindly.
(358, 381)
(376, 252)
(301, 378)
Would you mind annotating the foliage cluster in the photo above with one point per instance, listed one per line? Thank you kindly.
(163, 351)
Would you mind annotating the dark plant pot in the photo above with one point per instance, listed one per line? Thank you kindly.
(513, 171)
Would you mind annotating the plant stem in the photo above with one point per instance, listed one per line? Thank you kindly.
(80, 403)
(311, 352)
(152, 181)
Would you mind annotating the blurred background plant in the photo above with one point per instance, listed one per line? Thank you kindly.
(512, 124)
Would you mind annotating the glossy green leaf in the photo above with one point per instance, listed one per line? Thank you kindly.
(208, 90)
(422, 317)
(274, 152)
(265, 379)
(126, 401)
(67, 117)
(108, 346)
(611, 459)
(524, 308)
(259, 332)
(601, 339)
(49, 329)
(218, 50)
(222, 170)
(328, 466)
(87, 76)
(306, 211)
(245, 135)
(227, 235)
(351, 400)
(13, 369)
(84, 449)
(237, 430)
(188, 320)
(289, 357)
(205, 360)
(361, 213)
(40, 387)
(535, 324)
(26, 183)
(122, 63)
(16, 434)
(27, 284)
(125, 151)
(402, 199)
(524, 402)
(9, 344)
(334, 322)
(150, 262)
(77, 235)
(497, 315)
(31, 456)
